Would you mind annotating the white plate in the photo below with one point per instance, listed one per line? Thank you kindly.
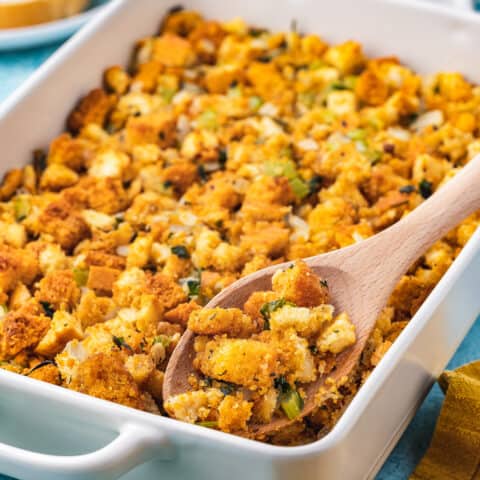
(16, 38)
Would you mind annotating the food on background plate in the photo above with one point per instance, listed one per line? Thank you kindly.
(251, 364)
(23, 13)
(222, 149)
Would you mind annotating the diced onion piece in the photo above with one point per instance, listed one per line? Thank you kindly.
(434, 118)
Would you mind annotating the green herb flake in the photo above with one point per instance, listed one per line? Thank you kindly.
(315, 184)
(41, 365)
(407, 189)
(222, 157)
(228, 388)
(202, 173)
(425, 188)
(181, 252)
(268, 308)
(121, 343)
(193, 288)
(80, 275)
(48, 309)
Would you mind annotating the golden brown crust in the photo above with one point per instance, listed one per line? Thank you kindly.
(59, 289)
(22, 331)
(92, 108)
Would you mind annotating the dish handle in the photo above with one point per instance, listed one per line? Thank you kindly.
(133, 446)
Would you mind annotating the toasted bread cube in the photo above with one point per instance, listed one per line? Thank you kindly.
(181, 175)
(22, 331)
(146, 77)
(346, 57)
(10, 183)
(271, 241)
(19, 297)
(338, 336)
(219, 78)
(296, 360)
(300, 286)
(218, 321)
(93, 309)
(194, 406)
(63, 328)
(129, 286)
(234, 413)
(371, 89)
(140, 366)
(59, 289)
(256, 301)
(104, 376)
(16, 266)
(66, 225)
(102, 279)
(168, 292)
(172, 51)
(306, 322)
(250, 363)
(109, 163)
(116, 79)
(57, 176)
(47, 373)
(180, 314)
(155, 128)
(74, 153)
(93, 108)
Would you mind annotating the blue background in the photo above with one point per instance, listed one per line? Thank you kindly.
(15, 67)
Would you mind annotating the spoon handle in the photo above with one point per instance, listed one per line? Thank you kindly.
(404, 242)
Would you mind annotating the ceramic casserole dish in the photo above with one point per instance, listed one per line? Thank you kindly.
(53, 433)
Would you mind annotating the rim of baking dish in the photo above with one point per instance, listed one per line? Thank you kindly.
(367, 391)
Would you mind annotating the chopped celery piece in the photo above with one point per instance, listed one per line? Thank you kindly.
(21, 206)
(255, 102)
(357, 134)
(283, 168)
(291, 403)
(80, 276)
(208, 120)
(299, 187)
(167, 93)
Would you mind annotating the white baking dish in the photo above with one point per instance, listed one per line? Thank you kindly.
(75, 436)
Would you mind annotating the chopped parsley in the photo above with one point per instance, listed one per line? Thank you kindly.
(41, 365)
(181, 251)
(425, 188)
(193, 288)
(48, 309)
(407, 189)
(121, 343)
(269, 307)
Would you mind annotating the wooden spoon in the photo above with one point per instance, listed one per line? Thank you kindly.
(361, 278)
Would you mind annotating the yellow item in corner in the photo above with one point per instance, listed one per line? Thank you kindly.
(24, 13)
(454, 453)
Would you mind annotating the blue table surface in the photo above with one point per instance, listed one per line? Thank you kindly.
(15, 67)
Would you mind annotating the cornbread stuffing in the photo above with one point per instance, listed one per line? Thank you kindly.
(222, 149)
(256, 364)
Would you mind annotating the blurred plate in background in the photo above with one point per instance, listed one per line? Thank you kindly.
(16, 38)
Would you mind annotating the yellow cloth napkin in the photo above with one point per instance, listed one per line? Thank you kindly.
(454, 453)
